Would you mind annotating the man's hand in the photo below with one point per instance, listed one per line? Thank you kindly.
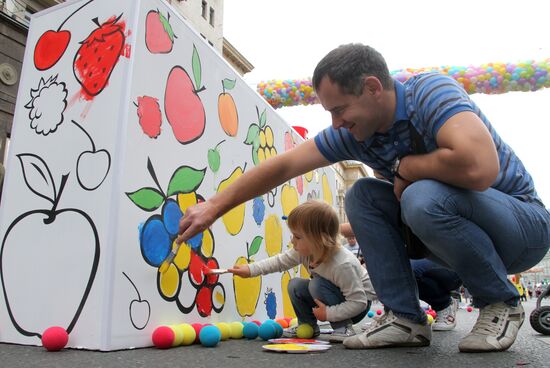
(320, 311)
(196, 219)
(399, 185)
(240, 270)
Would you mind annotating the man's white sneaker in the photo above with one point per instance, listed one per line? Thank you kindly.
(495, 330)
(390, 331)
(446, 318)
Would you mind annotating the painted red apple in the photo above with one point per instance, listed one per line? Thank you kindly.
(182, 104)
(150, 117)
(49, 258)
(159, 35)
(50, 48)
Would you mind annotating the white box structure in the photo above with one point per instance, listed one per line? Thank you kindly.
(125, 117)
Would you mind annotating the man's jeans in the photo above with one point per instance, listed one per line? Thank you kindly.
(482, 236)
(302, 293)
(435, 283)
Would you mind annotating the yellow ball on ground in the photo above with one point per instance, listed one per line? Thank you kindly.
(236, 330)
(189, 334)
(304, 331)
(178, 334)
(430, 319)
(225, 330)
(293, 322)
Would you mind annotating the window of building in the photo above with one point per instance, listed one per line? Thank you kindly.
(204, 7)
(212, 16)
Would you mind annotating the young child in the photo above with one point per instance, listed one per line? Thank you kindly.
(339, 290)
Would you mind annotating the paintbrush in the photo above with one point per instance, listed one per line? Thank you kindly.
(169, 258)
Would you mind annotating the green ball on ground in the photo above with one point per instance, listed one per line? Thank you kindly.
(304, 331)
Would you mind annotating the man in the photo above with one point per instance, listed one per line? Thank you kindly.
(469, 199)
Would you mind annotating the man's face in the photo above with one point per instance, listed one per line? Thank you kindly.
(361, 115)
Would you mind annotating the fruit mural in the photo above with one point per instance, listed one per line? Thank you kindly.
(158, 234)
(126, 118)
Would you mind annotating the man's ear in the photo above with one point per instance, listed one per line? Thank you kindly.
(372, 85)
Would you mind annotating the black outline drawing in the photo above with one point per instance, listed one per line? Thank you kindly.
(35, 93)
(58, 31)
(139, 300)
(43, 171)
(93, 151)
(85, 45)
(146, 29)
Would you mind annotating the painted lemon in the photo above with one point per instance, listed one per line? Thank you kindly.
(327, 192)
(247, 291)
(273, 235)
(288, 310)
(234, 219)
(289, 199)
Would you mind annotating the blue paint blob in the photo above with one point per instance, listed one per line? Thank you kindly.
(258, 210)
(271, 304)
(210, 336)
(171, 215)
(370, 314)
(250, 331)
(267, 331)
(154, 241)
(196, 241)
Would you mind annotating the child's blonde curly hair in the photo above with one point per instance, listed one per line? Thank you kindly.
(319, 223)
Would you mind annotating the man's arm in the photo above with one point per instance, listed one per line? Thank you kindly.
(466, 157)
(257, 181)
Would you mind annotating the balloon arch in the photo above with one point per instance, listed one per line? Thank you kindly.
(491, 78)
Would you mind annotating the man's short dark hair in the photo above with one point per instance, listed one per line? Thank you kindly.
(347, 65)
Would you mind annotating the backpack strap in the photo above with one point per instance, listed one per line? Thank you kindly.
(417, 142)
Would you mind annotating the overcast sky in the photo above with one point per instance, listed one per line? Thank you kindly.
(285, 40)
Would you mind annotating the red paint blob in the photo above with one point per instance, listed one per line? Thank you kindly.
(149, 114)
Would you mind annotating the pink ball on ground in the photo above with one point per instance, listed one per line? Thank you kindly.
(379, 312)
(55, 338)
(469, 309)
(197, 327)
(163, 337)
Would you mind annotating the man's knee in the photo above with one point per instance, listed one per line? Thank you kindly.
(360, 193)
(419, 201)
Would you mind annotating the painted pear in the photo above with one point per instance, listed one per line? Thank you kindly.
(247, 291)
(234, 219)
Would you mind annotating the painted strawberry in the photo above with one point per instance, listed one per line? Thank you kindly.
(96, 58)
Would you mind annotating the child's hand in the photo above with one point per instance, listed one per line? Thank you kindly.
(321, 311)
(240, 270)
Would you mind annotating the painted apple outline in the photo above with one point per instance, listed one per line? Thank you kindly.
(51, 45)
(139, 301)
(31, 161)
(183, 107)
(84, 160)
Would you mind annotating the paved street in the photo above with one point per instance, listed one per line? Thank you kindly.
(531, 350)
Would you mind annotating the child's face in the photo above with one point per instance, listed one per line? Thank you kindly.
(301, 243)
